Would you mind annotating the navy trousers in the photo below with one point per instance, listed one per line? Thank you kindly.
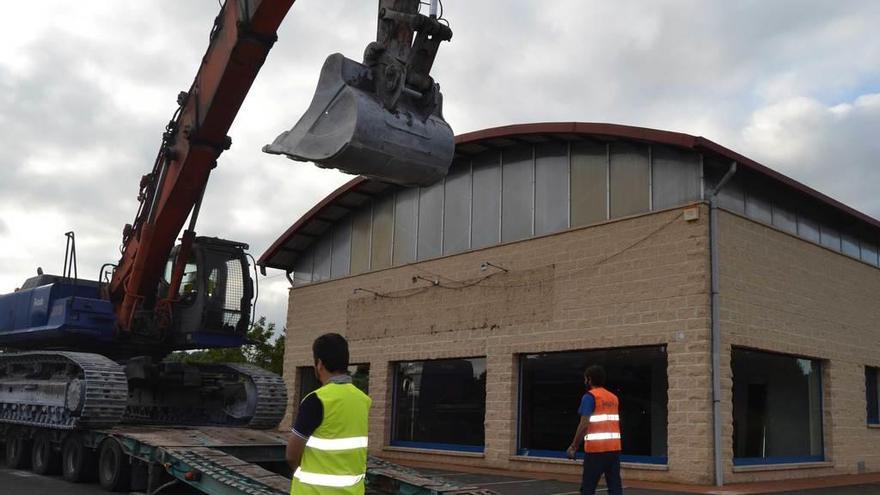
(597, 464)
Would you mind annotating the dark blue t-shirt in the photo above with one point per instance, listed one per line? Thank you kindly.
(588, 405)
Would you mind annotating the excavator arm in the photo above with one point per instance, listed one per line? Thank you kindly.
(243, 33)
(382, 118)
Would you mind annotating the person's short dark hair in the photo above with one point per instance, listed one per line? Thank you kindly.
(332, 350)
(596, 374)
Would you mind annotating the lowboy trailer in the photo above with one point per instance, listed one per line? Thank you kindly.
(210, 460)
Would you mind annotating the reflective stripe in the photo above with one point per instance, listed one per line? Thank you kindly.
(333, 480)
(602, 436)
(598, 418)
(337, 443)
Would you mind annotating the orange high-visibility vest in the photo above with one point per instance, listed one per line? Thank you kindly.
(603, 433)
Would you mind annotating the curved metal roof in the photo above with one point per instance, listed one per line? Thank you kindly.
(357, 191)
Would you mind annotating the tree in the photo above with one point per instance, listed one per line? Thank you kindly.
(263, 352)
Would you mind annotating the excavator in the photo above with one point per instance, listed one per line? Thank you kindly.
(84, 354)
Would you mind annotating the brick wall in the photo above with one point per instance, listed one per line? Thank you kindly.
(782, 294)
(637, 281)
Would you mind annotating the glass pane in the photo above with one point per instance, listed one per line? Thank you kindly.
(440, 404)
(518, 190)
(430, 221)
(487, 200)
(784, 219)
(553, 384)
(321, 252)
(551, 188)
(869, 253)
(850, 246)
(758, 209)
(872, 394)
(629, 179)
(406, 218)
(676, 178)
(302, 268)
(341, 262)
(830, 237)
(383, 229)
(457, 210)
(777, 415)
(360, 239)
(808, 228)
(589, 183)
(308, 382)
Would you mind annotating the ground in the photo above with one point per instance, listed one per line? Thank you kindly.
(15, 482)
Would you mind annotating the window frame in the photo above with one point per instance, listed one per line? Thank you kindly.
(561, 454)
(440, 446)
(872, 421)
(787, 459)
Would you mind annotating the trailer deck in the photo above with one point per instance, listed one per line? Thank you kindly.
(225, 461)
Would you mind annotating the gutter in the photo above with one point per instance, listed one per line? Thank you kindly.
(716, 324)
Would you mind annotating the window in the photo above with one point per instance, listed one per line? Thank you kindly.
(551, 188)
(406, 217)
(486, 211)
(430, 221)
(360, 240)
(383, 230)
(340, 263)
(308, 382)
(457, 209)
(518, 187)
(676, 178)
(589, 183)
(551, 387)
(777, 408)
(630, 179)
(872, 394)
(321, 253)
(440, 404)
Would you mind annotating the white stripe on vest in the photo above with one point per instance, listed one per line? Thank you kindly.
(332, 480)
(337, 443)
(602, 436)
(599, 418)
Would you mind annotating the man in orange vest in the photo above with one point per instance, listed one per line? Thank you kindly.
(599, 429)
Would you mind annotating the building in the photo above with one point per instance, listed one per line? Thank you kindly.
(473, 306)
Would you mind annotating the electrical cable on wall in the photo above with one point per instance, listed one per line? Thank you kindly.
(460, 285)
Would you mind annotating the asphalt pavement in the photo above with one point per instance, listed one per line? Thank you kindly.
(14, 482)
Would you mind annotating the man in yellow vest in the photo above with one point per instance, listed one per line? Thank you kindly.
(600, 430)
(327, 449)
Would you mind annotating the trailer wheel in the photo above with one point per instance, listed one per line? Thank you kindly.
(18, 453)
(114, 468)
(77, 461)
(44, 459)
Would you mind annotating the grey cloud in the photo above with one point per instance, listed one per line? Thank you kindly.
(710, 68)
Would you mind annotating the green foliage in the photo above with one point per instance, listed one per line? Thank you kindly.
(265, 352)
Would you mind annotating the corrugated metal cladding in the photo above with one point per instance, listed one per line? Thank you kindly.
(504, 195)
(527, 190)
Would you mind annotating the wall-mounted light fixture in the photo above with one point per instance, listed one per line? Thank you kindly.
(419, 277)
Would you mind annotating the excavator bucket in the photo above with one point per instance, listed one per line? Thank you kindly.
(347, 127)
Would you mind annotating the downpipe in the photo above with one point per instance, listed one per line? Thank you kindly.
(716, 325)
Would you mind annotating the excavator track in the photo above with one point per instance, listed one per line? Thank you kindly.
(61, 390)
(201, 394)
(271, 396)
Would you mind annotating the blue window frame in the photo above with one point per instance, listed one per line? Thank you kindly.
(440, 404)
(872, 394)
(777, 408)
(551, 386)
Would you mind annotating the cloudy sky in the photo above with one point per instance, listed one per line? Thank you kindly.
(87, 87)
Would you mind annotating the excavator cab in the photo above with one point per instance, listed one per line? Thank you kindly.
(214, 297)
(382, 118)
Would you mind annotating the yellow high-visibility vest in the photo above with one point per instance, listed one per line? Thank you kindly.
(334, 461)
